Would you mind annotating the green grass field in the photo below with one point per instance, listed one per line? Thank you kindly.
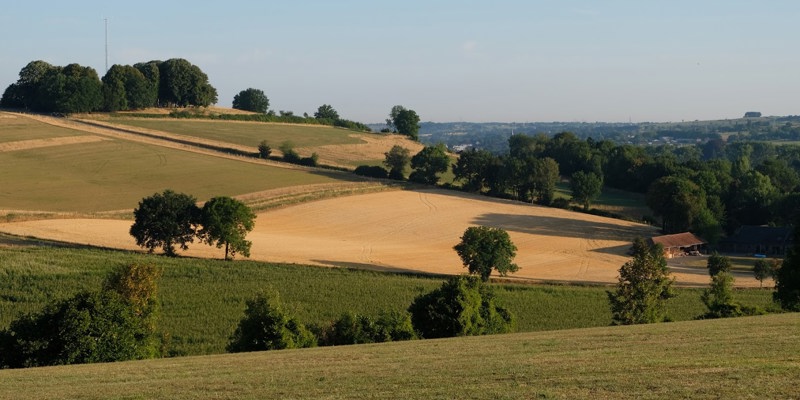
(248, 133)
(13, 128)
(116, 174)
(754, 357)
(629, 204)
(202, 300)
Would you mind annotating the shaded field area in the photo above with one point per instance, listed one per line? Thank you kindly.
(754, 357)
(203, 300)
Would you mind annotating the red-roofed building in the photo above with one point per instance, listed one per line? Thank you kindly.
(679, 244)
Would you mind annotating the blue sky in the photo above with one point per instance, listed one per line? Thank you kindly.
(512, 61)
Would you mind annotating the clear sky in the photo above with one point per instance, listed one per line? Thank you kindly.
(500, 60)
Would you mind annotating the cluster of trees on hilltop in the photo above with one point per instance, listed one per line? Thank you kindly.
(710, 188)
(74, 88)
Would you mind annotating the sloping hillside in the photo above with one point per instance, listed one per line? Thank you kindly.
(754, 357)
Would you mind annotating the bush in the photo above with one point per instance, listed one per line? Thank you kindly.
(266, 326)
(462, 306)
(372, 171)
(309, 161)
(264, 150)
(356, 329)
(289, 155)
(560, 203)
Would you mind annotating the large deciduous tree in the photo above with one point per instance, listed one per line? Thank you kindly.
(184, 84)
(405, 121)
(226, 221)
(677, 200)
(165, 220)
(643, 287)
(429, 163)
(462, 306)
(251, 100)
(472, 168)
(126, 88)
(397, 159)
(586, 188)
(485, 249)
(326, 111)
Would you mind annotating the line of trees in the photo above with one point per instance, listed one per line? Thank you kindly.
(43, 87)
(711, 189)
(462, 306)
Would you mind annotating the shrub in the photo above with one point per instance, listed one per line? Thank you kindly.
(352, 328)
(309, 161)
(372, 171)
(266, 326)
(560, 203)
(462, 306)
(289, 155)
(115, 324)
(264, 150)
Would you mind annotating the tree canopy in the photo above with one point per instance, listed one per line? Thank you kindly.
(165, 220)
(643, 287)
(397, 159)
(462, 306)
(266, 326)
(483, 249)
(226, 221)
(405, 121)
(586, 187)
(251, 100)
(787, 277)
(326, 111)
(429, 163)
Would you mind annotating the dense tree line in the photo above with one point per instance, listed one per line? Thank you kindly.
(43, 87)
(710, 188)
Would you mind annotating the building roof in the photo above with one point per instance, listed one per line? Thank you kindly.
(684, 239)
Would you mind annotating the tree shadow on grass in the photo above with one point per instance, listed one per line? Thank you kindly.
(564, 227)
(377, 268)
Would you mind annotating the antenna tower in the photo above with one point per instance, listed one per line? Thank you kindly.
(106, 25)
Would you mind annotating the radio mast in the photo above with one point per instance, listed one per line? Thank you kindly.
(106, 25)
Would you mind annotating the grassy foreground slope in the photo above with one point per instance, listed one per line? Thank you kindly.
(755, 357)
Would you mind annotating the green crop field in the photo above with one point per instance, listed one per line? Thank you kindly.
(248, 133)
(753, 357)
(202, 300)
(116, 174)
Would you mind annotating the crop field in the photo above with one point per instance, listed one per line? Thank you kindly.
(753, 357)
(334, 146)
(411, 231)
(113, 174)
(202, 300)
(14, 128)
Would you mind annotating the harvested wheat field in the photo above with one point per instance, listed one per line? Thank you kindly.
(409, 231)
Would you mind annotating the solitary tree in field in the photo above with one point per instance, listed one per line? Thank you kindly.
(266, 326)
(643, 288)
(483, 249)
(226, 221)
(251, 100)
(586, 187)
(397, 159)
(264, 149)
(326, 111)
(165, 220)
(404, 121)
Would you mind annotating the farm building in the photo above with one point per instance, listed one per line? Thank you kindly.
(679, 244)
(766, 240)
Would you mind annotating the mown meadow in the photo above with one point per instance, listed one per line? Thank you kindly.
(203, 300)
(749, 357)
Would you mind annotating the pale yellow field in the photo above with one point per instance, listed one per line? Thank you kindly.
(409, 231)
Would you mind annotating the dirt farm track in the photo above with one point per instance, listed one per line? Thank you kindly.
(408, 231)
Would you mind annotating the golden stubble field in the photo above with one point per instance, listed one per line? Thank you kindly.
(408, 231)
